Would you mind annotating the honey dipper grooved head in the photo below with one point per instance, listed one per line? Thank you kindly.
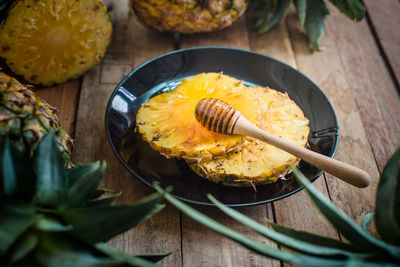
(216, 115)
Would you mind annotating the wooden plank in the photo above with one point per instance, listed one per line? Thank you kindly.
(328, 71)
(131, 45)
(385, 19)
(202, 247)
(296, 211)
(64, 97)
(364, 69)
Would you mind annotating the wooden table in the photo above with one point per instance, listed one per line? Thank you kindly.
(359, 71)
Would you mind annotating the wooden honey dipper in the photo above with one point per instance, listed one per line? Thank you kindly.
(218, 116)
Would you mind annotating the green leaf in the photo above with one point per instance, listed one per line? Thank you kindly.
(104, 201)
(24, 246)
(316, 12)
(48, 224)
(14, 221)
(51, 186)
(271, 19)
(353, 9)
(118, 255)
(8, 170)
(366, 222)
(301, 7)
(156, 257)
(86, 179)
(342, 223)
(100, 223)
(252, 245)
(387, 201)
(283, 239)
(312, 238)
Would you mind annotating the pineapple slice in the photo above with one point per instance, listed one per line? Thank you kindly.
(168, 124)
(51, 41)
(258, 162)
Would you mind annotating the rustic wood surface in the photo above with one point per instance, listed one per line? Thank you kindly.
(359, 71)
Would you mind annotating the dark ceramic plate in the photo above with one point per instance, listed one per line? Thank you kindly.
(165, 72)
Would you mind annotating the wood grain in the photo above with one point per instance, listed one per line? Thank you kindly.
(385, 19)
(202, 247)
(131, 45)
(65, 98)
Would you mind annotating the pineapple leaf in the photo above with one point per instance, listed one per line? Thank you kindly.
(111, 220)
(156, 257)
(316, 11)
(301, 7)
(342, 223)
(132, 260)
(388, 201)
(86, 179)
(104, 201)
(353, 9)
(8, 170)
(252, 245)
(51, 187)
(312, 238)
(48, 224)
(283, 239)
(26, 244)
(271, 20)
(14, 221)
(366, 222)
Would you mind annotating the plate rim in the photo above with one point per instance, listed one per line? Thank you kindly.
(200, 203)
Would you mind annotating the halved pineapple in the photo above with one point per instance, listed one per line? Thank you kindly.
(167, 121)
(258, 162)
(52, 41)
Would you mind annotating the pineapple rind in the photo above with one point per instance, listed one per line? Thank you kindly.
(49, 42)
(168, 124)
(258, 162)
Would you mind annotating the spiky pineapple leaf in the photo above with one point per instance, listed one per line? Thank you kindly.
(301, 7)
(316, 11)
(301, 259)
(24, 246)
(15, 219)
(342, 223)
(110, 220)
(283, 239)
(273, 15)
(48, 224)
(367, 220)
(48, 164)
(85, 179)
(104, 201)
(387, 217)
(353, 9)
(132, 260)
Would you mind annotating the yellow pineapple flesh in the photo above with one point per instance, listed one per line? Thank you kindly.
(167, 121)
(51, 41)
(258, 162)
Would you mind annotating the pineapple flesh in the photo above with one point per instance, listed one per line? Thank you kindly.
(188, 16)
(167, 121)
(51, 41)
(26, 119)
(258, 162)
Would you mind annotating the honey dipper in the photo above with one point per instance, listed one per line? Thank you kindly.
(218, 116)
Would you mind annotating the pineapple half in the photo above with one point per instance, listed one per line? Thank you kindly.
(259, 162)
(188, 16)
(167, 121)
(51, 41)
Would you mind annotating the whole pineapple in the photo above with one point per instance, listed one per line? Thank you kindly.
(25, 118)
(51, 41)
(53, 216)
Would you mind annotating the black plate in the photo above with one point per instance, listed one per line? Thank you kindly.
(165, 72)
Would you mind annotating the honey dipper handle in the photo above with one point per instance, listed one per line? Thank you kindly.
(341, 170)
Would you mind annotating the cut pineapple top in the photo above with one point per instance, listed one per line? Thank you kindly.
(259, 162)
(167, 121)
(51, 41)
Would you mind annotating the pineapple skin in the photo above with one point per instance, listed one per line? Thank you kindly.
(188, 16)
(258, 162)
(167, 121)
(26, 119)
(49, 42)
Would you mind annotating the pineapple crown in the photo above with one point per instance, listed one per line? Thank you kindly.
(308, 249)
(52, 215)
